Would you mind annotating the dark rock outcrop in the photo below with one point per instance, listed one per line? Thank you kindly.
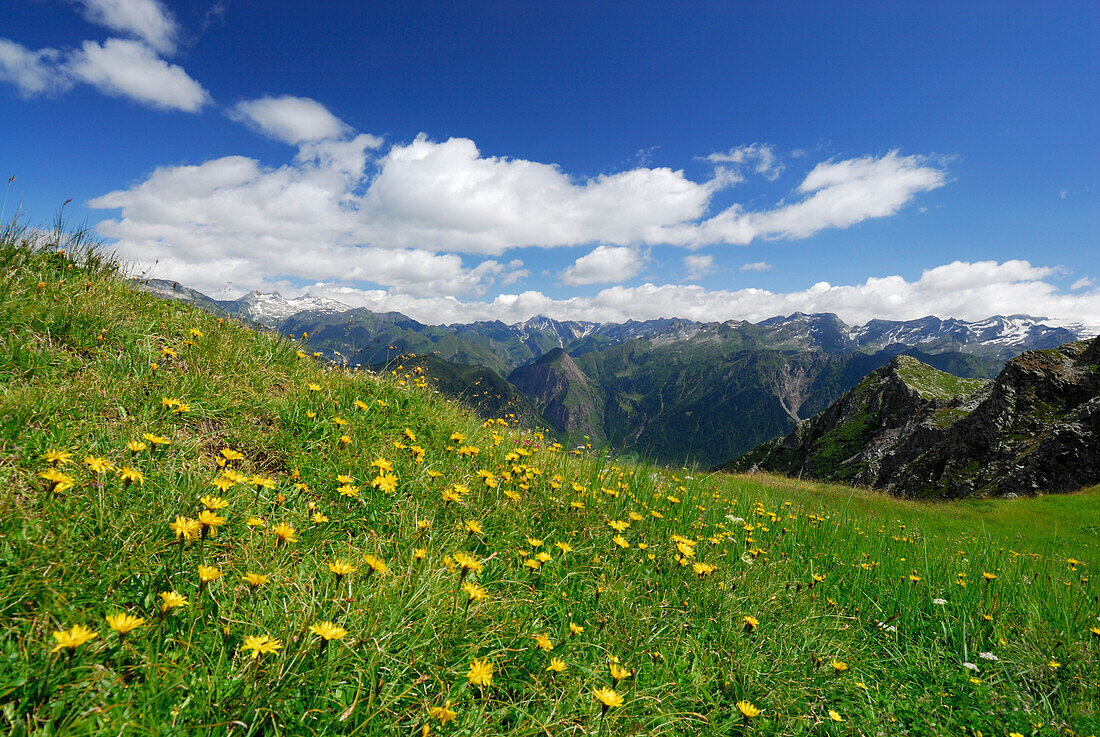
(917, 432)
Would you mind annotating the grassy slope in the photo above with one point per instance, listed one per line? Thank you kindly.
(76, 348)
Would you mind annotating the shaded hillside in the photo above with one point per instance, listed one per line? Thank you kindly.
(564, 395)
(478, 388)
(917, 432)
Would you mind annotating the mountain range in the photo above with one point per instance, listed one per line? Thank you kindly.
(674, 390)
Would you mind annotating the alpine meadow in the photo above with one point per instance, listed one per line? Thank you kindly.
(207, 530)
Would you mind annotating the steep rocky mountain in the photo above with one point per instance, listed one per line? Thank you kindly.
(564, 395)
(266, 309)
(915, 431)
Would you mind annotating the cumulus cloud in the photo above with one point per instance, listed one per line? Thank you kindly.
(965, 290)
(32, 72)
(233, 221)
(148, 20)
(131, 69)
(604, 264)
(698, 266)
(290, 119)
(756, 266)
(448, 195)
(333, 212)
(760, 157)
(838, 194)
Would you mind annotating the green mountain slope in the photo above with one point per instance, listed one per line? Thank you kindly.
(302, 549)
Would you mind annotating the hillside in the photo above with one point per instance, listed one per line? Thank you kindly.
(916, 431)
(204, 530)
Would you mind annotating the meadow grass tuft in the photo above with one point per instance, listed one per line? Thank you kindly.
(299, 549)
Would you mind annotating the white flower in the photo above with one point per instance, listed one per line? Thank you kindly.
(941, 602)
(970, 666)
(988, 656)
(887, 627)
(734, 519)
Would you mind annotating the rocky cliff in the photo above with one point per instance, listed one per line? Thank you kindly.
(563, 394)
(915, 431)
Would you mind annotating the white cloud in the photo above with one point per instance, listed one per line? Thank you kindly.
(233, 222)
(148, 20)
(970, 291)
(33, 72)
(290, 119)
(448, 196)
(757, 266)
(333, 212)
(698, 266)
(839, 194)
(760, 157)
(604, 264)
(1082, 283)
(131, 69)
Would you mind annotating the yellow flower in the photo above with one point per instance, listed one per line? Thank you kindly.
(575, 629)
(341, 569)
(214, 503)
(56, 457)
(608, 697)
(260, 645)
(467, 563)
(620, 541)
(564, 547)
(231, 455)
(481, 673)
(155, 440)
(443, 713)
(98, 465)
(377, 565)
(210, 522)
(474, 592)
(534, 542)
(314, 387)
(136, 446)
(319, 518)
(386, 483)
(543, 642)
(72, 638)
(328, 631)
(255, 579)
(186, 528)
(702, 570)
(989, 576)
(130, 475)
(748, 709)
(256, 522)
(261, 482)
(420, 553)
(618, 672)
(838, 665)
(1054, 664)
(124, 622)
(58, 481)
(835, 716)
(284, 533)
(751, 623)
(208, 574)
(222, 483)
(556, 666)
(171, 600)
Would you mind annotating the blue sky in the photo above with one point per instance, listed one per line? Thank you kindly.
(582, 160)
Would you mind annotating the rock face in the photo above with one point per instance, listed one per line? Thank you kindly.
(918, 432)
(563, 394)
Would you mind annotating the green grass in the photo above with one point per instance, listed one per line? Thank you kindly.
(828, 575)
(933, 383)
